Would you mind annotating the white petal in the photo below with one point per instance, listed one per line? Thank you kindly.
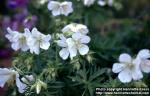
(85, 39)
(36, 33)
(73, 52)
(135, 69)
(118, 67)
(84, 49)
(77, 36)
(102, 2)
(62, 42)
(88, 2)
(136, 74)
(56, 12)
(125, 76)
(15, 46)
(82, 29)
(64, 53)
(68, 28)
(44, 45)
(125, 58)
(144, 54)
(66, 8)
(136, 62)
(35, 49)
(21, 86)
(71, 47)
(5, 75)
(27, 32)
(53, 5)
(47, 37)
(70, 42)
(3, 80)
(145, 66)
(24, 47)
(12, 36)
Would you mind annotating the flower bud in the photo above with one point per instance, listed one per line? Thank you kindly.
(39, 85)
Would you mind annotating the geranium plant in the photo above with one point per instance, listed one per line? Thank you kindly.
(65, 54)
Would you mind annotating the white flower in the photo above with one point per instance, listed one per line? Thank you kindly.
(144, 55)
(57, 8)
(102, 2)
(17, 39)
(71, 46)
(128, 68)
(37, 40)
(73, 27)
(78, 43)
(105, 2)
(7, 75)
(64, 52)
(88, 2)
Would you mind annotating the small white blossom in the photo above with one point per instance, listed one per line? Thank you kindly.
(105, 2)
(57, 8)
(71, 46)
(37, 40)
(128, 68)
(17, 39)
(88, 2)
(78, 44)
(102, 2)
(7, 75)
(64, 52)
(144, 55)
(74, 27)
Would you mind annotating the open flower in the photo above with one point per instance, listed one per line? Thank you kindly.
(57, 8)
(71, 46)
(144, 55)
(74, 27)
(88, 2)
(8, 76)
(78, 44)
(17, 39)
(37, 40)
(128, 68)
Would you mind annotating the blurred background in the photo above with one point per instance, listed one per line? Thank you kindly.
(123, 28)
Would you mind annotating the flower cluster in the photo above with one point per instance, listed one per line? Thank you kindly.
(74, 42)
(131, 68)
(33, 40)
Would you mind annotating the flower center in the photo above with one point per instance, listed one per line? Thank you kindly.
(22, 40)
(130, 65)
(77, 43)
